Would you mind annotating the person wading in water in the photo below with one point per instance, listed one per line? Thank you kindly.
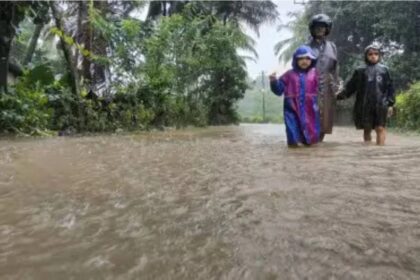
(299, 86)
(375, 95)
(329, 83)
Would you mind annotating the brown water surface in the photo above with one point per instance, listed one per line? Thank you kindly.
(216, 203)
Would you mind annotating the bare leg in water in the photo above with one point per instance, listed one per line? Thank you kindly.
(367, 135)
(380, 135)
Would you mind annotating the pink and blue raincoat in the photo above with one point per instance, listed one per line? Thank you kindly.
(300, 89)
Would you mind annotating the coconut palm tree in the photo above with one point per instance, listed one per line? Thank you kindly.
(299, 28)
(252, 13)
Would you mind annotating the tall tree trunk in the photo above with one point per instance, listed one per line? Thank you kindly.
(417, 25)
(74, 75)
(100, 79)
(66, 51)
(7, 32)
(32, 45)
(85, 39)
(156, 9)
(5, 41)
(79, 28)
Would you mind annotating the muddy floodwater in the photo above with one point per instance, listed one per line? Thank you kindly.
(214, 203)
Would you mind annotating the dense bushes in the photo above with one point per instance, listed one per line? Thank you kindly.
(408, 112)
(24, 109)
(186, 72)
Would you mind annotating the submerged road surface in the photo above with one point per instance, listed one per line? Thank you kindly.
(215, 203)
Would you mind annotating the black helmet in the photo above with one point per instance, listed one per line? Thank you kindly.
(320, 19)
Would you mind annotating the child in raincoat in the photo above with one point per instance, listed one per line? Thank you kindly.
(375, 95)
(300, 88)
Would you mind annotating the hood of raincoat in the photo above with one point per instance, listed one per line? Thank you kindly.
(373, 47)
(303, 51)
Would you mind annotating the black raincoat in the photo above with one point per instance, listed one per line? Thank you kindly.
(374, 94)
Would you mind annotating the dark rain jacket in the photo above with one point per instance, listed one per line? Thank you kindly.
(374, 91)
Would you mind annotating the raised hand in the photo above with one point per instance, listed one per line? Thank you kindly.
(273, 77)
(390, 111)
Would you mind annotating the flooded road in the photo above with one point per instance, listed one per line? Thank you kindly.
(215, 203)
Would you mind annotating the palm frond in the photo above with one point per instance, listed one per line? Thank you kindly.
(281, 44)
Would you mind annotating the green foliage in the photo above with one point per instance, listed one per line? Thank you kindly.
(63, 105)
(298, 26)
(408, 104)
(23, 110)
(177, 70)
(192, 64)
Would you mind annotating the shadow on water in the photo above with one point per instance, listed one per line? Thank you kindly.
(215, 203)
